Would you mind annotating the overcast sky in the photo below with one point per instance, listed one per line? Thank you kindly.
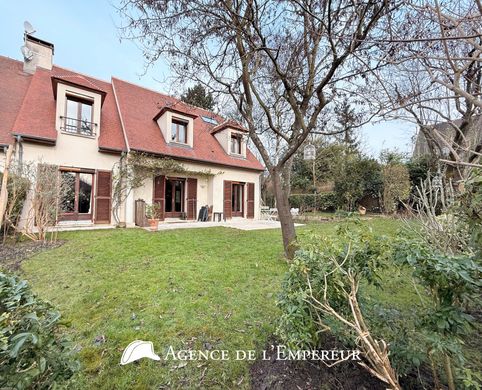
(86, 40)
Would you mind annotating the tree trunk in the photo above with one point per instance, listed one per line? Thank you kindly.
(284, 215)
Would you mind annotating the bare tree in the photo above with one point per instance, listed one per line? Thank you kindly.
(432, 76)
(268, 56)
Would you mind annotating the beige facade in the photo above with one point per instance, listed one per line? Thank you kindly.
(73, 151)
(88, 161)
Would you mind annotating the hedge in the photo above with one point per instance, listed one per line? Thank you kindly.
(307, 202)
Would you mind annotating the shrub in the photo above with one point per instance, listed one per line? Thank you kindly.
(396, 186)
(321, 202)
(321, 292)
(17, 187)
(32, 353)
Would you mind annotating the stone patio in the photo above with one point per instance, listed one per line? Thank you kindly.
(241, 224)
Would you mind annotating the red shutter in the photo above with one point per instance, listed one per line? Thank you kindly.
(228, 207)
(191, 198)
(158, 194)
(103, 200)
(250, 212)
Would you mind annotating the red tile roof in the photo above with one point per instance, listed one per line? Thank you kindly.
(79, 81)
(28, 108)
(138, 106)
(228, 123)
(13, 86)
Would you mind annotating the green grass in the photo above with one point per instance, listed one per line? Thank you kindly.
(185, 287)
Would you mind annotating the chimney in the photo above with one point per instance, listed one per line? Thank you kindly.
(37, 53)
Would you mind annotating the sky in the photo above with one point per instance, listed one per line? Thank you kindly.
(87, 39)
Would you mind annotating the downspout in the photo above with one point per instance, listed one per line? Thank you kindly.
(20, 150)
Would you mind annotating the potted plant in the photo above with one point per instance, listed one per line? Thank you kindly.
(362, 210)
(152, 213)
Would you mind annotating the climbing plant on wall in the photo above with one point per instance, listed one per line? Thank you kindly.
(133, 169)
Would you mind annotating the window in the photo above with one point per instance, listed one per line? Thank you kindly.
(78, 116)
(76, 202)
(179, 131)
(235, 144)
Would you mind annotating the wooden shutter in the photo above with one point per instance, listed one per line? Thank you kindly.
(103, 199)
(250, 211)
(158, 194)
(191, 198)
(228, 207)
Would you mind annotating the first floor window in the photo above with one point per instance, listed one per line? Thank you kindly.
(235, 144)
(76, 194)
(179, 131)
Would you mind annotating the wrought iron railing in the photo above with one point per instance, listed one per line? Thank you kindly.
(78, 126)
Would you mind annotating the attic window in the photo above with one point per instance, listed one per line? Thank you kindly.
(78, 116)
(236, 144)
(179, 131)
(210, 120)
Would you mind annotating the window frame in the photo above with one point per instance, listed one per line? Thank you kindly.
(239, 144)
(76, 215)
(179, 122)
(80, 101)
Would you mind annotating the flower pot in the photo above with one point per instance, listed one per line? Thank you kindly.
(153, 223)
(362, 210)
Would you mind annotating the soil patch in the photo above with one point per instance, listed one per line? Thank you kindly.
(12, 255)
(276, 374)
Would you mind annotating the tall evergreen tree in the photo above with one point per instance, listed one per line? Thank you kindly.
(198, 96)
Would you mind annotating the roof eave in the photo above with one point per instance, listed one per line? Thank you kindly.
(56, 80)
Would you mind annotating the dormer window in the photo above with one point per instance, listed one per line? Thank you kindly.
(179, 131)
(78, 118)
(236, 142)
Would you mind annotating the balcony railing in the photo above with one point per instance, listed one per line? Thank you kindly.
(78, 126)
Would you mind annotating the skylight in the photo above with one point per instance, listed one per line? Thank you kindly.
(210, 120)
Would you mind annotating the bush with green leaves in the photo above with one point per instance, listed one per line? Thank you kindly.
(451, 282)
(307, 202)
(443, 253)
(33, 354)
(325, 290)
(354, 247)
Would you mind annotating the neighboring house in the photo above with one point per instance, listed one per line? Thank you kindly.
(448, 132)
(84, 125)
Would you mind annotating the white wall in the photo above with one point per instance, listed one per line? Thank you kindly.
(210, 190)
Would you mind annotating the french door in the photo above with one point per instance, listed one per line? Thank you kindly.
(174, 204)
(237, 200)
(77, 191)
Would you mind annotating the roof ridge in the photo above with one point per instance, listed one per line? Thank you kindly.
(80, 73)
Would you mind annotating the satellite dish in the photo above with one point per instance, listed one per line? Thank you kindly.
(27, 53)
(27, 26)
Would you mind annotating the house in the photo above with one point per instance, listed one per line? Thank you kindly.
(86, 126)
(447, 130)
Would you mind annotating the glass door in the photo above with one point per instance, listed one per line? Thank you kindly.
(76, 201)
(174, 198)
(237, 200)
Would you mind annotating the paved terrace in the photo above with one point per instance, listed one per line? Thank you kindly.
(241, 224)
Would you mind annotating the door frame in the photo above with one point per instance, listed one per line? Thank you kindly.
(175, 214)
(76, 216)
(233, 204)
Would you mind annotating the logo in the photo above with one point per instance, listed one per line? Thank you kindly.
(137, 350)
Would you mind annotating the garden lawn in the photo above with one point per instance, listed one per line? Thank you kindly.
(200, 288)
